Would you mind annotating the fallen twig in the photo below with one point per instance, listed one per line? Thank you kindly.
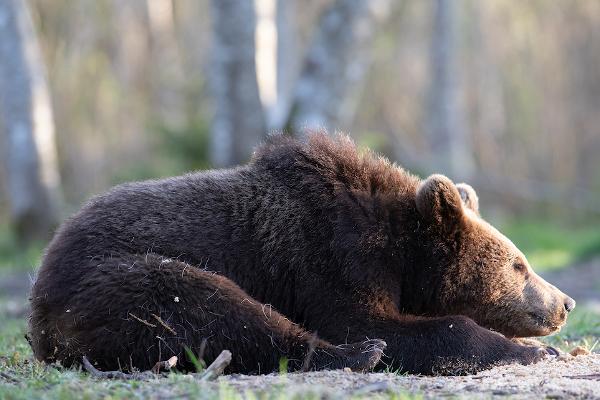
(216, 368)
(213, 371)
(164, 365)
(143, 321)
(164, 324)
(114, 374)
(202, 350)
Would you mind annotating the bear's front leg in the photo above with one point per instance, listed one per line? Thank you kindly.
(450, 345)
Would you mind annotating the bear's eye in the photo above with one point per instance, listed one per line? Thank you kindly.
(519, 267)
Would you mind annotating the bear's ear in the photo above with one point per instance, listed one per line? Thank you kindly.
(469, 197)
(438, 201)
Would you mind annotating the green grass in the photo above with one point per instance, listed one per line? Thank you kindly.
(551, 245)
(582, 329)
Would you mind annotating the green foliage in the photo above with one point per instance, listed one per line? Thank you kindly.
(283, 365)
(188, 145)
(550, 245)
(14, 256)
(176, 150)
(199, 364)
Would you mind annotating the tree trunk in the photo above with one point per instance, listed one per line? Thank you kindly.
(266, 53)
(288, 61)
(27, 121)
(239, 122)
(446, 117)
(336, 61)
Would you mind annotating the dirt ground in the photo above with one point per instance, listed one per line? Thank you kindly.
(556, 377)
(572, 377)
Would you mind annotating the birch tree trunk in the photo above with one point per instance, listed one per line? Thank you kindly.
(238, 122)
(28, 126)
(336, 61)
(288, 61)
(446, 118)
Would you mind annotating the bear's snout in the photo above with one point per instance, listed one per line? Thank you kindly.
(569, 304)
(549, 307)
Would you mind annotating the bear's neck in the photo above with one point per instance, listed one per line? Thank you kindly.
(422, 262)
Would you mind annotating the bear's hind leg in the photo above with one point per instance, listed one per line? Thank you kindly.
(134, 311)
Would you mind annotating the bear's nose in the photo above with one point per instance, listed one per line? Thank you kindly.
(569, 304)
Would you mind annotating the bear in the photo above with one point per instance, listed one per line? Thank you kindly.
(315, 251)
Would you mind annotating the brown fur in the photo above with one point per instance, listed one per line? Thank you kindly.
(340, 242)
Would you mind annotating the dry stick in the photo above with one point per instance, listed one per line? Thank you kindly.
(164, 365)
(164, 324)
(216, 368)
(201, 352)
(113, 374)
(143, 321)
(213, 371)
(202, 349)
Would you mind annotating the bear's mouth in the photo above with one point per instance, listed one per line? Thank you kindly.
(547, 326)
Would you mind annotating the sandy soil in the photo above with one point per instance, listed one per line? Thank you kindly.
(553, 378)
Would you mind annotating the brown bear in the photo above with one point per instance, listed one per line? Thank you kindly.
(310, 236)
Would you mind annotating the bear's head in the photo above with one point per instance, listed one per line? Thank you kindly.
(484, 275)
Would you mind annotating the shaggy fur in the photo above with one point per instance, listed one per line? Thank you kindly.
(339, 242)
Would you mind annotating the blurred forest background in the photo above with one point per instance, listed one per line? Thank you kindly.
(503, 94)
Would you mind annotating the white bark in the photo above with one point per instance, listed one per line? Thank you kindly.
(238, 122)
(266, 52)
(288, 62)
(28, 126)
(447, 128)
(336, 61)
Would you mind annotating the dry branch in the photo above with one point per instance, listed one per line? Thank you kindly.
(164, 324)
(213, 371)
(114, 374)
(143, 321)
(202, 350)
(216, 368)
(164, 365)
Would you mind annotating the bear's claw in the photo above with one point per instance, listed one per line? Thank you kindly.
(365, 355)
(360, 356)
